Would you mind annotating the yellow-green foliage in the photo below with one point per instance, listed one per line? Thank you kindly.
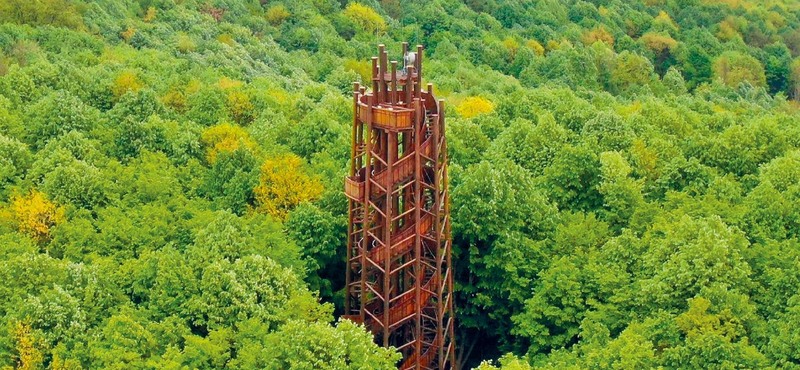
(34, 215)
(226, 39)
(733, 68)
(283, 184)
(57, 13)
(729, 27)
(644, 158)
(175, 99)
(658, 43)
(473, 106)
(732, 3)
(185, 43)
(128, 34)
(794, 78)
(629, 70)
(598, 34)
(150, 15)
(240, 107)
(64, 364)
(238, 102)
(28, 354)
(364, 69)
(664, 21)
(535, 46)
(276, 14)
(364, 17)
(507, 362)
(224, 137)
(226, 83)
(511, 45)
(125, 82)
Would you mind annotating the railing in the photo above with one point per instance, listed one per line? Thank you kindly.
(388, 117)
(394, 117)
(400, 170)
(401, 242)
(403, 309)
(426, 359)
(354, 185)
(353, 188)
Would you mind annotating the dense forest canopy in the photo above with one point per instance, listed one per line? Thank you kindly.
(625, 178)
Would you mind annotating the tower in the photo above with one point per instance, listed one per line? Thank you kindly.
(399, 282)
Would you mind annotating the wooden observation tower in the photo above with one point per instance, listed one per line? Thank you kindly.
(399, 279)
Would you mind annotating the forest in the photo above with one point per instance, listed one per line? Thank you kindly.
(625, 181)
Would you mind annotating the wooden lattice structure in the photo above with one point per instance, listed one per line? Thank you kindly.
(399, 281)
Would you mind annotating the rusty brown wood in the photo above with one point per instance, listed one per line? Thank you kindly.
(394, 83)
(402, 258)
(350, 205)
(409, 87)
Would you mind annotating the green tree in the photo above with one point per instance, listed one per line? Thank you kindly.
(622, 195)
(572, 180)
(321, 237)
(57, 13)
(15, 159)
(58, 113)
(777, 67)
(733, 68)
(230, 181)
(306, 346)
(712, 340)
(76, 182)
(532, 146)
(500, 220)
(630, 70)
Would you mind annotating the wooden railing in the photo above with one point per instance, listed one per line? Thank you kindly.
(403, 309)
(427, 358)
(394, 117)
(354, 185)
(353, 188)
(402, 242)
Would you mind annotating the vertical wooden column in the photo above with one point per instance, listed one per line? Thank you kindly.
(409, 87)
(375, 73)
(350, 203)
(450, 326)
(387, 247)
(418, 63)
(382, 95)
(365, 240)
(394, 153)
(437, 235)
(393, 92)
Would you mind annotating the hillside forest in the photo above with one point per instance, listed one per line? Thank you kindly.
(625, 181)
